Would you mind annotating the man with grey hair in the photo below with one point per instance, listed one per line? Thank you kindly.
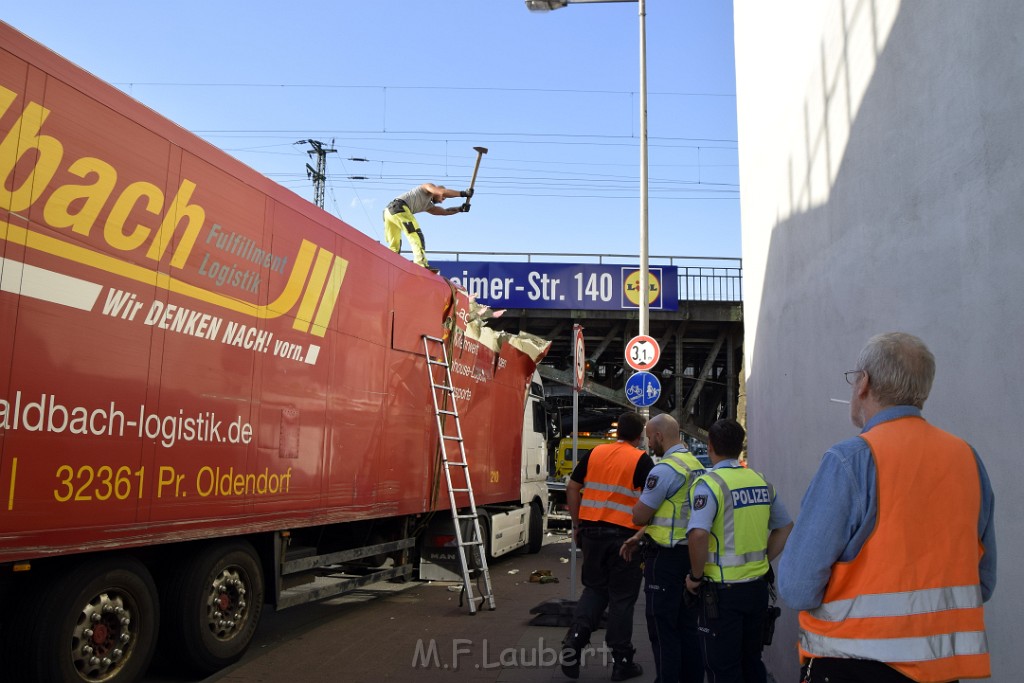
(894, 550)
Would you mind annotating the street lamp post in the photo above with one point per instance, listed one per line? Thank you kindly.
(644, 285)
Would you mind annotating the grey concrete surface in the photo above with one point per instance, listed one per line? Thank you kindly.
(418, 632)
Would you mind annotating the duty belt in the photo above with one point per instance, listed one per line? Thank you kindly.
(397, 206)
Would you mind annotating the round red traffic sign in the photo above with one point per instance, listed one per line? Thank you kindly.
(581, 359)
(642, 352)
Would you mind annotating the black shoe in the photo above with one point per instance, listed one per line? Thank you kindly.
(623, 666)
(575, 640)
(625, 670)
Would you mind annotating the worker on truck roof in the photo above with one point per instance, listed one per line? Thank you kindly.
(398, 216)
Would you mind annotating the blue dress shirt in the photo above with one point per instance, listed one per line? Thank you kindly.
(839, 511)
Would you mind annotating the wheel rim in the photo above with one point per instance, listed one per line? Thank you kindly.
(226, 608)
(103, 638)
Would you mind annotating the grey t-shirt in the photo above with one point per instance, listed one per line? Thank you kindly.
(417, 200)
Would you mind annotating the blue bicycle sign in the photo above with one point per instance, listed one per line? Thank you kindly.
(643, 389)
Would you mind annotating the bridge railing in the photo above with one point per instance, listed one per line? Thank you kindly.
(701, 278)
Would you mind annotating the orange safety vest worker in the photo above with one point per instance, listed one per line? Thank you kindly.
(911, 598)
(608, 494)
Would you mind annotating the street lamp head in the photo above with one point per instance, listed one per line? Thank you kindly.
(545, 5)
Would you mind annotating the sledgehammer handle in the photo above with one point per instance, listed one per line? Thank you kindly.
(480, 152)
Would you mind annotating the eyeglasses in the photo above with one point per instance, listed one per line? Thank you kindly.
(851, 380)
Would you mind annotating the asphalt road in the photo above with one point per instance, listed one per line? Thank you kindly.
(415, 631)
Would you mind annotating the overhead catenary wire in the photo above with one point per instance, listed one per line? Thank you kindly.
(342, 86)
(568, 180)
(692, 168)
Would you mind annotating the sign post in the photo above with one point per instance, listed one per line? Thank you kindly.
(580, 374)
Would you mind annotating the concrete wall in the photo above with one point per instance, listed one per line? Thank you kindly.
(882, 180)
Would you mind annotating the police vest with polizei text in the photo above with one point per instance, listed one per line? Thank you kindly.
(738, 543)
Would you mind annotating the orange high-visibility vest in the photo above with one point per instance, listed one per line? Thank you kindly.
(608, 493)
(912, 596)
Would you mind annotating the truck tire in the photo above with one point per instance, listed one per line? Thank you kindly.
(213, 604)
(536, 532)
(96, 623)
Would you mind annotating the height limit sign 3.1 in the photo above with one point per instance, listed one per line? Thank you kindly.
(642, 353)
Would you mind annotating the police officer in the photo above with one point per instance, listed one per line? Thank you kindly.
(664, 508)
(601, 493)
(736, 528)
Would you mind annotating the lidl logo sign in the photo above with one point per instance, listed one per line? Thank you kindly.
(633, 290)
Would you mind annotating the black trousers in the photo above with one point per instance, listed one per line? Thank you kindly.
(671, 625)
(733, 641)
(833, 670)
(608, 582)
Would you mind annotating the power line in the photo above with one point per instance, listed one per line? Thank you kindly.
(331, 86)
(488, 135)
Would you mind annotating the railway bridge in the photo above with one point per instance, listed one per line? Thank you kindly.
(695, 314)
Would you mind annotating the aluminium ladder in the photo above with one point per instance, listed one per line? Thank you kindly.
(442, 392)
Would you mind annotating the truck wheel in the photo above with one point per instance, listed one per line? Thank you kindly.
(536, 535)
(212, 606)
(97, 623)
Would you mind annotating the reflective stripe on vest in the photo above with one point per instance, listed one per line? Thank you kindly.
(668, 526)
(608, 493)
(906, 649)
(911, 597)
(897, 604)
(741, 556)
(598, 486)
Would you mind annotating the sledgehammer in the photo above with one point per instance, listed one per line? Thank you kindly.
(480, 152)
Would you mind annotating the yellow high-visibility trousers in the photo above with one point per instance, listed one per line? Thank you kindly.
(404, 221)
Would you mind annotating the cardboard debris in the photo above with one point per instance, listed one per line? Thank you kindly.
(537, 576)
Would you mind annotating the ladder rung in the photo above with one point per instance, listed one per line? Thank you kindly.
(460, 490)
(446, 412)
(468, 543)
(455, 463)
(442, 386)
(452, 438)
(466, 516)
(431, 361)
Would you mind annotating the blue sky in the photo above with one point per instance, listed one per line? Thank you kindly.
(413, 86)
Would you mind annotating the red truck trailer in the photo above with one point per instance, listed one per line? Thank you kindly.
(213, 395)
